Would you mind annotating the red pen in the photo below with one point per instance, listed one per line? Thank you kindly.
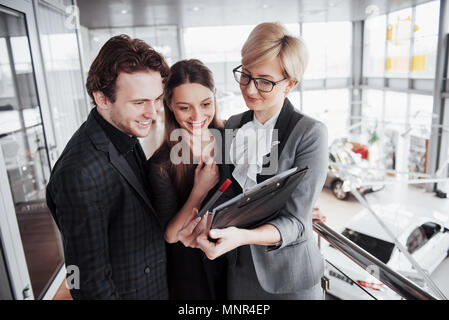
(214, 198)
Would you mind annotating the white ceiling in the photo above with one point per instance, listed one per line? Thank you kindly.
(188, 13)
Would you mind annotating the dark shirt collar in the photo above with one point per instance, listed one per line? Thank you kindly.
(121, 140)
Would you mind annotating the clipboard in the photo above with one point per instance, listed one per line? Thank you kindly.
(259, 204)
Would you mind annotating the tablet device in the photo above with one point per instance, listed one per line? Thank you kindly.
(258, 204)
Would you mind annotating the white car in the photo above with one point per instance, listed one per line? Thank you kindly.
(422, 231)
(357, 169)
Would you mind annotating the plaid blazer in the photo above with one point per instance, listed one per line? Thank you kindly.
(109, 229)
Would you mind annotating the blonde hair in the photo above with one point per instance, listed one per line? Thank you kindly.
(269, 40)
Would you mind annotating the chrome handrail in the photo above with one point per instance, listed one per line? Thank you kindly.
(392, 279)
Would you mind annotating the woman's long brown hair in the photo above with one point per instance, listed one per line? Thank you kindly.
(182, 175)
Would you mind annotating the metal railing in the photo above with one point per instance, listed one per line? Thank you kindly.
(392, 279)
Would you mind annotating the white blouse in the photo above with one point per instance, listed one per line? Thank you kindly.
(251, 143)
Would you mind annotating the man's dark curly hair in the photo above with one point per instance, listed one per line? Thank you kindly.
(122, 54)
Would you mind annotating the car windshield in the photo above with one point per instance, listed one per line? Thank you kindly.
(379, 248)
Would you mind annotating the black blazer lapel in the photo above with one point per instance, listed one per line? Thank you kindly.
(285, 124)
(102, 143)
(120, 163)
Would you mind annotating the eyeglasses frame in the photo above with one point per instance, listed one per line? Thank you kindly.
(253, 79)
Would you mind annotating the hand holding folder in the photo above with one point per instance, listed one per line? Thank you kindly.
(259, 204)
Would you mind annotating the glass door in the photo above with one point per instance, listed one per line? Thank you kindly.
(24, 160)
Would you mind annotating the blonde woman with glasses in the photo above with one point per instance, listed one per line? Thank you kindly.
(279, 259)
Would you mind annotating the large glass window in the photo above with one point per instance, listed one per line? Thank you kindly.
(421, 108)
(374, 46)
(330, 107)
(372, 105)
(25, 154)
(398, 43)
(164, 39)
(63, 73)
(395, 115)
(329, 46)
(426, 39)
(221, 51)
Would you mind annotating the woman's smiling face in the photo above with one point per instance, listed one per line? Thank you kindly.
(266, 103)
(193, 106)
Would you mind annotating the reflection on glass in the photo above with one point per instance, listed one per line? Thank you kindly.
(63, 73)
(25, 154)
(349, 281)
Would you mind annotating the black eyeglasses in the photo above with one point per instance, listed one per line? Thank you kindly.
(261, 84)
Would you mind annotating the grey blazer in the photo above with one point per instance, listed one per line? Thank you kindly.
(296, 263)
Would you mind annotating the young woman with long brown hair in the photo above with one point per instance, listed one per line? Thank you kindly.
(177, 187)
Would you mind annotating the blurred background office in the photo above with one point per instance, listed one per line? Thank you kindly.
(376, 77)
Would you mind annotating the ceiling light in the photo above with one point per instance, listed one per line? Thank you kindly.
(196, 9)
(124, 11)
(265, 6)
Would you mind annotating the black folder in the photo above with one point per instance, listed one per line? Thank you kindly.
(259, 204)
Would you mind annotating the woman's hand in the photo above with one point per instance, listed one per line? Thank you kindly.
(192, 229)
(318, 216)
(228, 239)
(206, 176)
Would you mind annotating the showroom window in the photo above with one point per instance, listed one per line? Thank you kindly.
(329, 45)
(330, 107)
(221, 53)
(395, 115)
(421, 108)
(374, 46)
(398, 43)
(162, 38)
(372, 109)
(426, 39)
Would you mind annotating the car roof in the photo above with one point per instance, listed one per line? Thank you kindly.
(399, 218)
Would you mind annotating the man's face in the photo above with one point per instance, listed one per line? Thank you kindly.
(138, 101)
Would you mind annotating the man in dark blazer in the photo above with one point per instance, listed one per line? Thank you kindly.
(98, 191)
